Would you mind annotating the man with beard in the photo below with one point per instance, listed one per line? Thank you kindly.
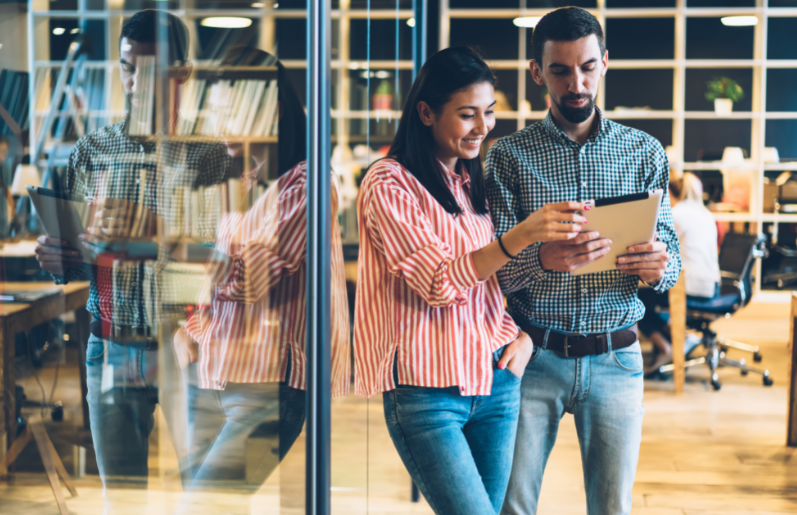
(586, 360)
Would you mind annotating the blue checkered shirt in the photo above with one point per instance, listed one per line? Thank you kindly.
(541, 164)
(110, 162)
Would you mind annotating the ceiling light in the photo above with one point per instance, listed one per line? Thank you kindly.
(58, 31)
(739, 21)
(226, 22)
(528, 22)
(74, 31)
(411, 22)
(258, 5)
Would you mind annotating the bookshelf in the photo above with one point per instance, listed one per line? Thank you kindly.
(358, 28)
(676, 55)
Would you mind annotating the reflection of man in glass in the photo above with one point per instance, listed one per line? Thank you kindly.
(243, 354)
(120, 177)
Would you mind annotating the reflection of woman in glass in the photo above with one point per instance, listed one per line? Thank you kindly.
(430, 327)
(244, 353)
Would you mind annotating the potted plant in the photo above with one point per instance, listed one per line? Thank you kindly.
(724, 92)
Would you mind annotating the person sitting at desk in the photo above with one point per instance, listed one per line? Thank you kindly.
(697, 232)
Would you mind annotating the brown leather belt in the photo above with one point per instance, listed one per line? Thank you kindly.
(580, 345)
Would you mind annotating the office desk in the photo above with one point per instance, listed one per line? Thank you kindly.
(16, 318)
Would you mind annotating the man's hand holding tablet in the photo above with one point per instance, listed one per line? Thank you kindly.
(570, 255)
(647, 260)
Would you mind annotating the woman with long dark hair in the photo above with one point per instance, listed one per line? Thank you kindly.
(431, 332)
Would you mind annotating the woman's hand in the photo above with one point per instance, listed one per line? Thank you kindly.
(555, 222)
(185, 348)
(517, 355)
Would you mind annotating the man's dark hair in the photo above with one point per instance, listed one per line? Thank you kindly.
(142, 28)
(565, 24)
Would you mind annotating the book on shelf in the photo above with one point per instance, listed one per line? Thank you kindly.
(235, 107)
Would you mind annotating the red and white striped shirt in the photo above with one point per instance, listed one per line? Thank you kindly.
(418, 292)
(258, 314)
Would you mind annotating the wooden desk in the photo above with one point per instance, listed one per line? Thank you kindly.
(16, 318)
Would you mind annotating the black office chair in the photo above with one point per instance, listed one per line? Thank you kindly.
(737, 255)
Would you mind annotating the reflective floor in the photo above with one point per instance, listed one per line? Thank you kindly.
(703, 453)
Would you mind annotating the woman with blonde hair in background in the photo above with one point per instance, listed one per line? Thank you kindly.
(697, 232)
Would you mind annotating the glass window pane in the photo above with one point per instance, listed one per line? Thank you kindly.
(696, 87)
(783, 3)
(640, 3)
(782, 134)
(291, 38)
(640, 38)
(780, 89)
(706, 139)
(720, 3)
(779, 268)
(60, 36)
(639, 88)
(481, 33)
(782, 38)
(708, 38)
(506, 85)
(383, 40)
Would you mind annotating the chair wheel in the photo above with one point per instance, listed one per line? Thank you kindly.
(768, 381)
(716, 384)
(757, 357)
(745, 372)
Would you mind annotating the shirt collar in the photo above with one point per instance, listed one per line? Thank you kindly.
(602, 127)
(463, 175)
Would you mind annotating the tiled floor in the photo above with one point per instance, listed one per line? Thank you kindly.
(704, 452)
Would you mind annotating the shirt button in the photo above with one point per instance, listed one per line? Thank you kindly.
(583, 291)
(583, 184)
(583, 322)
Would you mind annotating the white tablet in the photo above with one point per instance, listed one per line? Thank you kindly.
(626, 220)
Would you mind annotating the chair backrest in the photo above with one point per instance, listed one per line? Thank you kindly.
(736, 258)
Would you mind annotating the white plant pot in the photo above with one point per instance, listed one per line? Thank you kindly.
(723, 106)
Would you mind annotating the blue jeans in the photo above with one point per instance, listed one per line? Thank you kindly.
(604, 395)
(122, 395)
(457, 449)
(221, 421)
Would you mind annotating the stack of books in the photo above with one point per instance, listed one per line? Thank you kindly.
(242, 107)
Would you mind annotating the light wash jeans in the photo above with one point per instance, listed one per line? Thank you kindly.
(604, 395)
(221, 421)
(457, 449)
(122, 396)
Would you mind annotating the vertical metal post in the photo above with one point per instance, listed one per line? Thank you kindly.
(419, 47)
(318, 258)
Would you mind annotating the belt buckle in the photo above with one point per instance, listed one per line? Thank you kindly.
(567, 341)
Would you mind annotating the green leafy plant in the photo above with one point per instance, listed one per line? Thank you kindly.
(723, 87)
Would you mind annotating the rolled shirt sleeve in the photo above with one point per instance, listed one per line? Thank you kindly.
(412, 250)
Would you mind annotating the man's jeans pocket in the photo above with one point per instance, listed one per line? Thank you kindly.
(629, 358)
(95, 352)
